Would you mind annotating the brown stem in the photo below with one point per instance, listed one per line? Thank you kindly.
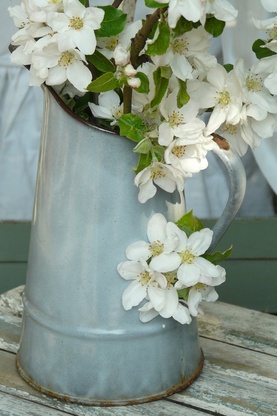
(138, 43)
(139, 40)
(127, 99)
(117, 3)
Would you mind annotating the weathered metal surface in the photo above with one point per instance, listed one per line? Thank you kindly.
(238, 379)
(77, 341)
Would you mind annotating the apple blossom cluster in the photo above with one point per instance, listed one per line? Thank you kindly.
(169, 273)
(54, 38)
(152, 80)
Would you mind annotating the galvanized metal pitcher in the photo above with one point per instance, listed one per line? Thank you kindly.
(78, 343)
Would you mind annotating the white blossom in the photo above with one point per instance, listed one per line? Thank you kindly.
(158, 174)
(221, 9)
(59, 67)
(75, 26)
(146, 283)
(109, 107)
(187, 54)
(191, 10)
(161, 240)
(205, 291)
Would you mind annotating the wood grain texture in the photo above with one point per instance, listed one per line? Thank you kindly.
(239, 376)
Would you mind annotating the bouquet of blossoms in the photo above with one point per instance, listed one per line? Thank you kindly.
(153, 80)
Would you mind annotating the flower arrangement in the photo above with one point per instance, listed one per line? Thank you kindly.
(154, 81)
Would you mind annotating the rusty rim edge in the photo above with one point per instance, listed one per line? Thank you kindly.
(101, 403)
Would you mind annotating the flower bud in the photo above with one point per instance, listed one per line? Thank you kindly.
(134, 82)
(121, 55)
(130, 70)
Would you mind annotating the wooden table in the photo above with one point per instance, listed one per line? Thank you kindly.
(239, 376)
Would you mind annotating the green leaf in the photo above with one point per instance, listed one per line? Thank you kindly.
(81, 103)
(182, 97)
(214, 26)
(159, 152)
(132, 127)
(189, 223)
(144, 161)
(228, 67)
(161, 44)
(100, 62)
(183, 293)
(161, 84)
(113, 23)
(84, 2)
(183, 26)
(105, 82)
(144, 146)
(144, 86)
(261, 52)
(217, 257)
(154, 4)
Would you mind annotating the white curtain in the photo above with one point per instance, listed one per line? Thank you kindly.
(20, 123)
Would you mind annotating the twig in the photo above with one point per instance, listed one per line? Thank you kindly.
(117, 3)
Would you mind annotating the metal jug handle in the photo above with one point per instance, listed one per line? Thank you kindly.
(237, 186)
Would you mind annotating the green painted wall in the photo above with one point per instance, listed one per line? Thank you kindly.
(251, 269)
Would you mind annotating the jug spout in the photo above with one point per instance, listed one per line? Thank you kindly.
(237, 186)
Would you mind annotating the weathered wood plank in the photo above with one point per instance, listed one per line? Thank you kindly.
(239, 326)
(235, 382)
(12, 384)
(13, 406)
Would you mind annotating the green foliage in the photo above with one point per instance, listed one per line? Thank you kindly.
(154, 4)
(189, 223)
(161, 84)
(144, 86)
(217, 257)
(161, 44)
(184, 293)
(182, 97)
(228, 67)
(99, 61)
(84, 2)
(259, 49)
(214, 26)
(105, 82)
(144, 146)
(183, 26)
(132, 127)
(144, 161)
(113, 23)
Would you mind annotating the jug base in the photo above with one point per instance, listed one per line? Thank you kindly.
(185, 383)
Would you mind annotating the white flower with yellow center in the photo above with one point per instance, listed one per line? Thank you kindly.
(268, 67)
(186, 257)
(254, 90)
(188, 54)
(146, 283)
(177, 119)
(222, 92)
(158, 174)
(75, 27)
(189, 158)
(57, 67)
(161, 240)
(204, 289)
